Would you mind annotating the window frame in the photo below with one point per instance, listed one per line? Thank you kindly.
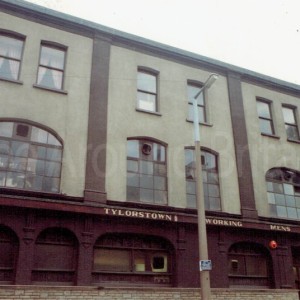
(155, 74)
(30, 158)
(283, 193)
(206, 174)
(294, 125)
(58, 47)
(139, 252)
(159, 167)
(22, 38)
(270, 119)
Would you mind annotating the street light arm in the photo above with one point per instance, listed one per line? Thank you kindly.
(208, 83)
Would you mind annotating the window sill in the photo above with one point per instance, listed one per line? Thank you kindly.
(149, 112)
(11, 80)
(201, 123)
(271, 136)
(294, 141)
(50, 89)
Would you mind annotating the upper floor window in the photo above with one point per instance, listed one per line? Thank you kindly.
(193, 89)
(11, 50)
(290, 122)
(283, 186)
(146, 172)
(52, 66)
(210, 178)
(265, 117)
(147, 91)
(30, 158)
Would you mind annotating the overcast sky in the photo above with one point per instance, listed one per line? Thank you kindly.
(259, 35)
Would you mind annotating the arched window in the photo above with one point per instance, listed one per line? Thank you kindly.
(283, 186)
(249, 265)
(8, 255)
(30, 158)
(132, 259)
(55, 255)
(210, 178)
(146, 172)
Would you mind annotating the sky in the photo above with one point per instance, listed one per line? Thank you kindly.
(259, 35)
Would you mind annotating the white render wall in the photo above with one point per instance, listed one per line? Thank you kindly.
(267, 152)
(67, 114)
(171, 127)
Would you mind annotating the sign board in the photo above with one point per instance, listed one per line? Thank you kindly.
(205, 265)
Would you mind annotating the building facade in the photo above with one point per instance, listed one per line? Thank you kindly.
(97, 171)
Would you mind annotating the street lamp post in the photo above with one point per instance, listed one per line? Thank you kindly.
(202, 235)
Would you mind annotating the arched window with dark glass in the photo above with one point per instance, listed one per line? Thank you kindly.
(9, 247)
(56, 251)
(283, 187)
(132, 259)
(210, 178)
(146, 171)
(249, 265)
(30, 157)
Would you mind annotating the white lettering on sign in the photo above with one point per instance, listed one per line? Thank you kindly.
(222, 222)
(140, 214)
(280, 228)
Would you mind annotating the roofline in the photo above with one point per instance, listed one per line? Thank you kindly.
(90, 28)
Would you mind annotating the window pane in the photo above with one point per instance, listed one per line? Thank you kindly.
(39, 135)
(15, 180)
(192, 92)
(213, 190)
(17, 164)
(112, 260)
(146, 195)
(52, 169)
(50, 78)
(37, 152)
(139, 261)
(281, 211)
(132, 166)
(146, 167)
(214, 203)
(133, 179)
(34, 182)
(53, 154)
(191, 187)
(160, 183)
(292, 132)
(159, 152)
(52, 57)
(292, 213)
(3, 162)
(4, 147)
(263, 110)
(265, 126)
(146, 82)
(133, 194)
(146, 181)
(191, 201)
(10, 47)
(52, 140)
(6, 129)
(36, 166)
(146, 101)
(160, 197)
(20, 149)
(288, 189)
(201, 113)
(271, 198)
(288, 115)
(279, 199)
(51, 184)
(133, 148)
